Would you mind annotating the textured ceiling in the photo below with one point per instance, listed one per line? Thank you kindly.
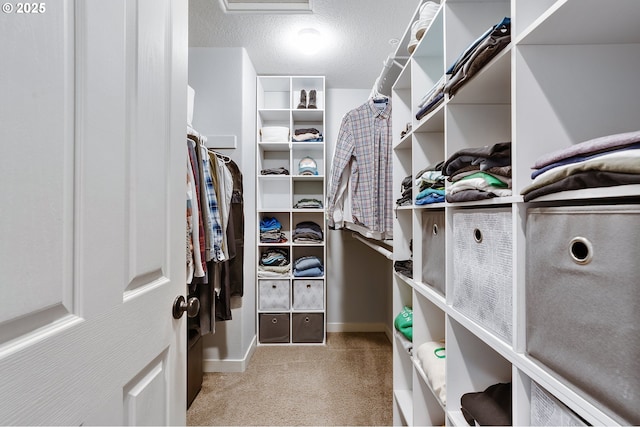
(355, 33)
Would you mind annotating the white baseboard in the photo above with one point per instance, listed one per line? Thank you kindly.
(361, 327)
(356, 327)
(389, 333)
(230, 365)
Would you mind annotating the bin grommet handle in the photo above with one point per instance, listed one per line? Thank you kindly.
(581, 250)
(477, 235)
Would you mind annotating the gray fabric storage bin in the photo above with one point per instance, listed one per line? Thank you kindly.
(307, 327)
(583, 301)
(274, 328)
(546, 410)
(482, 268)
(308, 294)
(274, 295)
(433, 256)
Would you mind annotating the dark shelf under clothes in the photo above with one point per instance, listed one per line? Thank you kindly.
(194, 359)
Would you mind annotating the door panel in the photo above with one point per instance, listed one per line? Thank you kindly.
(92, 252)
(146, 396)
(149, 107)
(36, 163)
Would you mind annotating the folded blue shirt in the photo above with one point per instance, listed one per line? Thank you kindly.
(270, 224)
(306, 263)
(310, 272)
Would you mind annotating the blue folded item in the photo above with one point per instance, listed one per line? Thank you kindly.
(310, 272)
(270, 224)
(431, 198)
(427, 192)
(306, 263)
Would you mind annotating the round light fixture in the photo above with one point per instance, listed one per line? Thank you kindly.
(309, 41)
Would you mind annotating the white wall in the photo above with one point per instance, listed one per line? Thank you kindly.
(225, 83)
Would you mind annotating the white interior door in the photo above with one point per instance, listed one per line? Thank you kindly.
(92, 212)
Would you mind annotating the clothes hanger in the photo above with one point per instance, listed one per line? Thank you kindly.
(221, 156)
(378, 97)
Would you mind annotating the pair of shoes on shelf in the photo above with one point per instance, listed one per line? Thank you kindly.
(427, 12)
(303, 99)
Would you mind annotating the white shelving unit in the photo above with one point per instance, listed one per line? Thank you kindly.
(291, 310)
(564, 78)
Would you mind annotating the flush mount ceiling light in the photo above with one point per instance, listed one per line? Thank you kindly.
(309, 41)
(268, 6)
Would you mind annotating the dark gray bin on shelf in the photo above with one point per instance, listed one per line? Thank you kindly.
(274, 328)
(583, 301)
(307, 328)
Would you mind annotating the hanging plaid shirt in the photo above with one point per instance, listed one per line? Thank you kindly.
(362, 161)
(214, 246)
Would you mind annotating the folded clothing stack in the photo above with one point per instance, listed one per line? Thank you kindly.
(308, 266)
(308, 204)
(427, 11)
(307, 232)
(406, 188)
(404, 267)
(431, 356)
(478, 54)
(491, 407)
(479, 173)
(432, 99)
(274, 262)
(430, 185)
(275, 171)
(271, 231)
(310, 135)
(601, 162)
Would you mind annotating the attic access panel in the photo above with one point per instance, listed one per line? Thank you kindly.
(268, 6)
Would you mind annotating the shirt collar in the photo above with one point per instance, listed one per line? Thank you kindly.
(385, 114)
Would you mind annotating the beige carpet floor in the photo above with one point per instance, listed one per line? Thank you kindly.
(348, 382)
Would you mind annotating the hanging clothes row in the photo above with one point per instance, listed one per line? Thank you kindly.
(360, 190)
(215, 230)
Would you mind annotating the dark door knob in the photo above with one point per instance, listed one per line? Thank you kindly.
(192, 307)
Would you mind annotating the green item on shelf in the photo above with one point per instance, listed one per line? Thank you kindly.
(404, 322)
